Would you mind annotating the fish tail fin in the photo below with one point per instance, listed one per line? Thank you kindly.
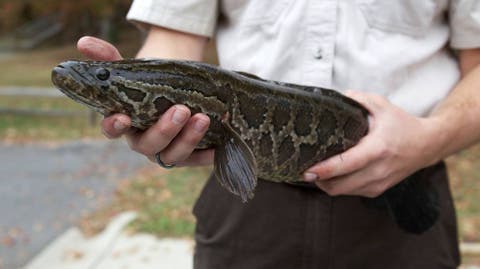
(413, 204)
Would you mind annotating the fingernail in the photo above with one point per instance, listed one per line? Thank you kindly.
(310, 176)
(200, 125)
(119, 125)
(179, 116)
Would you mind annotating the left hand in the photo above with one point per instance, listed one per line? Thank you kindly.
(397, 145)
(176, 139)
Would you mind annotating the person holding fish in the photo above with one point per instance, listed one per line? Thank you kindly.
(414, 65)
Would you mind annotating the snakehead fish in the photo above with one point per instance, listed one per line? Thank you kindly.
(259, 128)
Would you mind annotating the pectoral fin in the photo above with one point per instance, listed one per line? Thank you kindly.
(235, 166)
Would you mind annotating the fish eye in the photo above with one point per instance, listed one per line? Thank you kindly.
(102, 73)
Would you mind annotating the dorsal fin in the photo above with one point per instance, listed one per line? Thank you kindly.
(249, 75)
(311, 89)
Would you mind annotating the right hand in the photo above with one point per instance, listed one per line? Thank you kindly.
(175, 134)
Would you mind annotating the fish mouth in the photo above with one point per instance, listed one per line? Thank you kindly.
(69, 81)
(59, 73)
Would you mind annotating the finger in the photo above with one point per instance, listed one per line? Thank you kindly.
(116, 125)
(366, 151)
(377, 187)
(371, 190)
(186, 141)
(369, 182)
(158, 136)
(372, 102)
(97, 49)
(197, 158)
(352, 184)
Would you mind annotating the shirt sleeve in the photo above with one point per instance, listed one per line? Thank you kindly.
(464, 16)
(191, 16)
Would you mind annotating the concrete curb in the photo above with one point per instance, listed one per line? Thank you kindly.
(73, 250)
(115, 248)
(470, 248)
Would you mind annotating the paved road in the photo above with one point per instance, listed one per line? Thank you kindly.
(45, 188)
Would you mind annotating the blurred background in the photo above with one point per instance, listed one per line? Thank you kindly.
(56, 169)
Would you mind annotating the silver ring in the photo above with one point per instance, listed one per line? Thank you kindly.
(162, 164)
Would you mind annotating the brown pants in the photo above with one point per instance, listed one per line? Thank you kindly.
(296, 227)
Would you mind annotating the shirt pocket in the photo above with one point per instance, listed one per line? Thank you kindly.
(410, 17)
(264, 15)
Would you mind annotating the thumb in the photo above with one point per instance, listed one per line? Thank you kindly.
(374, 103)
(98, 49)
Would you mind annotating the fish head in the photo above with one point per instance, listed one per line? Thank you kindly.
(89, 83)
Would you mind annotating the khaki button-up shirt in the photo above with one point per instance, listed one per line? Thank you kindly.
(397, 48)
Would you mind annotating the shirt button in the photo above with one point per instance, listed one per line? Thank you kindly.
(318, 54)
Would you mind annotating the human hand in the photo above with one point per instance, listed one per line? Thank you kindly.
(175, 134)
(397, 145)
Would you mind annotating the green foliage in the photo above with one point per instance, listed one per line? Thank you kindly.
(22, 128)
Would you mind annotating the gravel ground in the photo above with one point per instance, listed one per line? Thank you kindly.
(45, 188)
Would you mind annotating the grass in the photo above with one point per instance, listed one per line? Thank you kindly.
(33, 67)
(163, 199)
(33, 128)
(43, 103)
(171, 213)
(464, 171)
